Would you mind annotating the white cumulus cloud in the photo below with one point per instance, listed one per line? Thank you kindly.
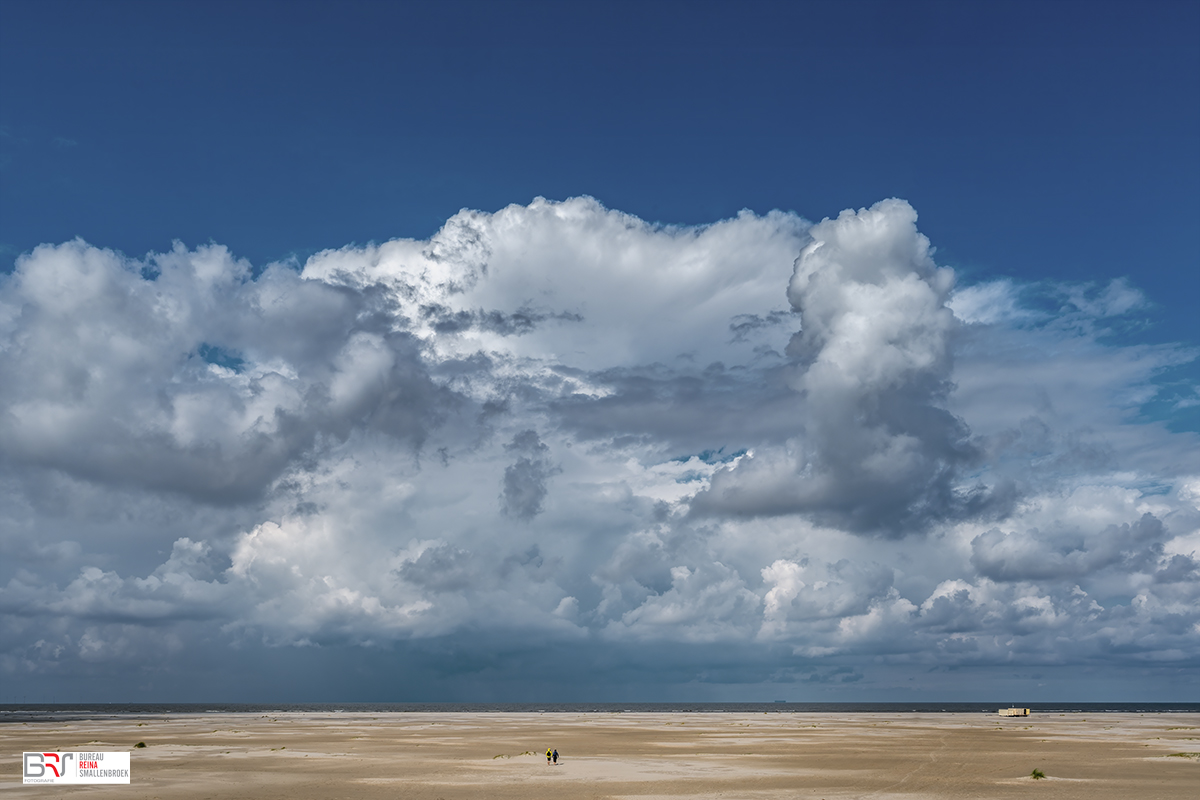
(754, 451)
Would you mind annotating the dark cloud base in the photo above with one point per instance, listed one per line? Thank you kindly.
(446, 671)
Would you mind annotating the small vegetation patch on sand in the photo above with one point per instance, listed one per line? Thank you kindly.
(1193, 756)
(1037, 774)
(503, 755)
(140, 744)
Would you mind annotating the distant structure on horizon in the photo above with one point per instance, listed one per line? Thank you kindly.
(1014, 712)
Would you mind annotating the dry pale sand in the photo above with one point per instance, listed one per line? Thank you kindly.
(779, 755)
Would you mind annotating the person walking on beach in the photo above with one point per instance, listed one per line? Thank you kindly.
(556, 757)
(548, 755)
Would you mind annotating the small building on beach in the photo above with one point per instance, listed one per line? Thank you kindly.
(1014, 712)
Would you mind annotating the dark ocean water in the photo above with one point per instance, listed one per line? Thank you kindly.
(80, 711)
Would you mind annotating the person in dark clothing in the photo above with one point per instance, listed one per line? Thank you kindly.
(555, 756)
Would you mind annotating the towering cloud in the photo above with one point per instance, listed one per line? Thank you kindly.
(558, 429)
(874, 447)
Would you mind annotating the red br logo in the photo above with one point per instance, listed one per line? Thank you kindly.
(54, 763)
(98, 767)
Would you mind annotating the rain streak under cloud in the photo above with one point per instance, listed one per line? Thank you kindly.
(558, 446)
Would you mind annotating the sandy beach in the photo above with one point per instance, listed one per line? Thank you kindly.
(448, 756)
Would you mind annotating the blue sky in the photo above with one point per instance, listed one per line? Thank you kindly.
(274, 404)
(1021, 131)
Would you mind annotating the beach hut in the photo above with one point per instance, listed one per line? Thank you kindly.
(1014, 712)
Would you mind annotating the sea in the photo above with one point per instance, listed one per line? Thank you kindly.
(84, 711)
